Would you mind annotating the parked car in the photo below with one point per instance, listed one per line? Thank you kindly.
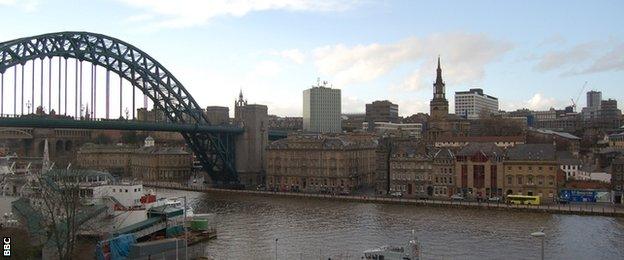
(396, 194)
(457, 197)
(495, 199)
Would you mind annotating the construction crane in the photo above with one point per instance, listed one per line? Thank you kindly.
(574, 102)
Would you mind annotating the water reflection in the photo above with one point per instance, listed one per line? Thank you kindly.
(307, 228)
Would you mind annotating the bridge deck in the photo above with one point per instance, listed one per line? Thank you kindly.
(115, 125)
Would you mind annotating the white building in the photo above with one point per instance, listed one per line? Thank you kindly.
(571, 166)
(470, 104)
(321, 109)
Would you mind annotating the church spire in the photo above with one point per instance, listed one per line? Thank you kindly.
(439, 74)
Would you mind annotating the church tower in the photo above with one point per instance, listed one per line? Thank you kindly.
(438, 105)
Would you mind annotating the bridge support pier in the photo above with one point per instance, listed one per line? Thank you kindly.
(251, 145)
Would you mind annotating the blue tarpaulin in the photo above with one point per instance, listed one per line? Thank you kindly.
(116, 248)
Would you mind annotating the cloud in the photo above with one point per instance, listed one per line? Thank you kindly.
(555, 39)
(584, 58)
(413, 82)
(610, 61)
(558, 59)
(465, 55)
(351, 104)
(539, 102)
(294, 55)
(266, 69)
(26, 5)
(189, 13)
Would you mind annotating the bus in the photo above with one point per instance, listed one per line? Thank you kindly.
(523, 199)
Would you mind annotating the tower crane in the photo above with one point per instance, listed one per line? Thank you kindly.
(574, 102)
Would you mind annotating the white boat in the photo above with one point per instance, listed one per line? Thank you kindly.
(179, 203)
(411, 252)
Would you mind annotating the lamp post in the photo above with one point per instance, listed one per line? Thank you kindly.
(276, 249)
(541, 235)
(186, 233)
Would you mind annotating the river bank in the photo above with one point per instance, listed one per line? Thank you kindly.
(574, 209)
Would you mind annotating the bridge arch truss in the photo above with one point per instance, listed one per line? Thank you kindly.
(213, 150)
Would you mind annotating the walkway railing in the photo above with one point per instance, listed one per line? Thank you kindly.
(578, 209)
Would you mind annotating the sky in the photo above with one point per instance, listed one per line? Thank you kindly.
(529, 54)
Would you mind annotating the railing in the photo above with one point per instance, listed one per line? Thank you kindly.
(582, 209)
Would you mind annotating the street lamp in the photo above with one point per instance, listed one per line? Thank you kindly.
(541, 235)
(276, 249)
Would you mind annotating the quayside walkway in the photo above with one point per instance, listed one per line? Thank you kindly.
(575, 209)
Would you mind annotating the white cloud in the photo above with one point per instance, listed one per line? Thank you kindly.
(464, 57)
(539, 102)
(294, 55)
(613, 60)
(26, 5)
(558, 59)
(408, 107)
(188, 13)
(266, 68)
(584, 58)
(351, 104)
(413, 82)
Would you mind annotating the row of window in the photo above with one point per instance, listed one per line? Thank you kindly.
(126, 190)
(530, 180)
(530, 168)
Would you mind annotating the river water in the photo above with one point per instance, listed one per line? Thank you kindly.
(317, 229)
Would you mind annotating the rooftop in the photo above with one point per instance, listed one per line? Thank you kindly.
(489, 149)
(561, 134)
(531, 152)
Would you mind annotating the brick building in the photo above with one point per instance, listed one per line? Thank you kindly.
(478, 170)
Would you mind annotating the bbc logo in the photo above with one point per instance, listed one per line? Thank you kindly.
(6, 249)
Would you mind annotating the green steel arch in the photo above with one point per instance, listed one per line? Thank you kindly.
(145, 73)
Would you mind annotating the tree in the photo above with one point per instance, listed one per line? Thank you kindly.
(57, 215)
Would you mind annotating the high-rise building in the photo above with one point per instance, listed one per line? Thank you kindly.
(321, 109)
(382, 111)
(473, 103)
(594, 98)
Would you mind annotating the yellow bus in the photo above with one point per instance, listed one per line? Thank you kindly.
(523, 199)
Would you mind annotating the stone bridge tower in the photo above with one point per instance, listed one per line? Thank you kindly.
(251, 145)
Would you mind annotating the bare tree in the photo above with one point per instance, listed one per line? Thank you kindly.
(60, 202)
(60, 212)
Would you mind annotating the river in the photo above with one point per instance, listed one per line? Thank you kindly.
(318, 229)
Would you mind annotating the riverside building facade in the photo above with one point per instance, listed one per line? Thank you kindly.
(531, 169)
(478, 170)
(321, 163)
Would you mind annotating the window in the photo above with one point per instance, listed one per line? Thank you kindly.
(519, 180)
(509, 180)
